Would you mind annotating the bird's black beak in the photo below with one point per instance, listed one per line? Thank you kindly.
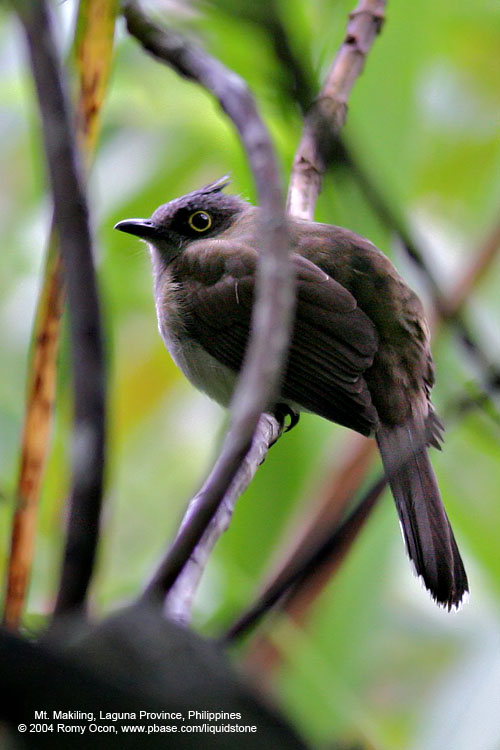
(144, 228)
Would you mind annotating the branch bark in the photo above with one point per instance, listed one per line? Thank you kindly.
(273, 309)
(35, 439)
(328, 113)
(179, 601)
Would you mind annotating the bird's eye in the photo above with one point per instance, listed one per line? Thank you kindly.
(200, 221)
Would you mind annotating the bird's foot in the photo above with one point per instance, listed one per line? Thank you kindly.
(283, 412)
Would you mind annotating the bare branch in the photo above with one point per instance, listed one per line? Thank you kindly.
(179, 601)
(446, 308)
(300, 84)
(71, 221)
(328, 113)
(320, 136)
(327, 509)
(273, 309)
(306, 572)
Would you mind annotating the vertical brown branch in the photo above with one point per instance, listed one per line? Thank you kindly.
(36, 435)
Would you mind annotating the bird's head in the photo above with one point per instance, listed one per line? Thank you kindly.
(204, 213)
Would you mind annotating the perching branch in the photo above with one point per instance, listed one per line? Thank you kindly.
(179, 601)
(320, 555)
(315, 151)
(273, 309)
(71, 222)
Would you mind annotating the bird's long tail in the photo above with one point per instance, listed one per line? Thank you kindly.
(426, 529)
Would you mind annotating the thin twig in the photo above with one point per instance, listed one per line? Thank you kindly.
(447, 308)
(71, 221)
(325, 511)
(179, 601)
(273, 309)
(319, 554)
(328, 113)
(316, 561)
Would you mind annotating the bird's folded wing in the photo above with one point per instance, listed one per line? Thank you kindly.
(333, 341)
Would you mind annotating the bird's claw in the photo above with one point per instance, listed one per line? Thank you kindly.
(282, 412)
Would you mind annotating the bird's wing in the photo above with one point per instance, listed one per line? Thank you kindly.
(333, 341)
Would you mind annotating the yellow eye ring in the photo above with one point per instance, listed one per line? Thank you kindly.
(200, 221)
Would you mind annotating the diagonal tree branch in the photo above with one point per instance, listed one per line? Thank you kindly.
(297, 585)
(328, 112)
(359, 37)
(447, 308)
(329, 552)
(273, 309)
(314, 154)
(71, 222)
(482, 260)
(179, 601)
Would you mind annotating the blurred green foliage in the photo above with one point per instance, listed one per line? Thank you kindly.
(376, 661)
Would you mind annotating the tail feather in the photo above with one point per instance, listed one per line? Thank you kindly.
(426, 529)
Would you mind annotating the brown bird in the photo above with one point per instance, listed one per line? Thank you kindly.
(359, 352)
